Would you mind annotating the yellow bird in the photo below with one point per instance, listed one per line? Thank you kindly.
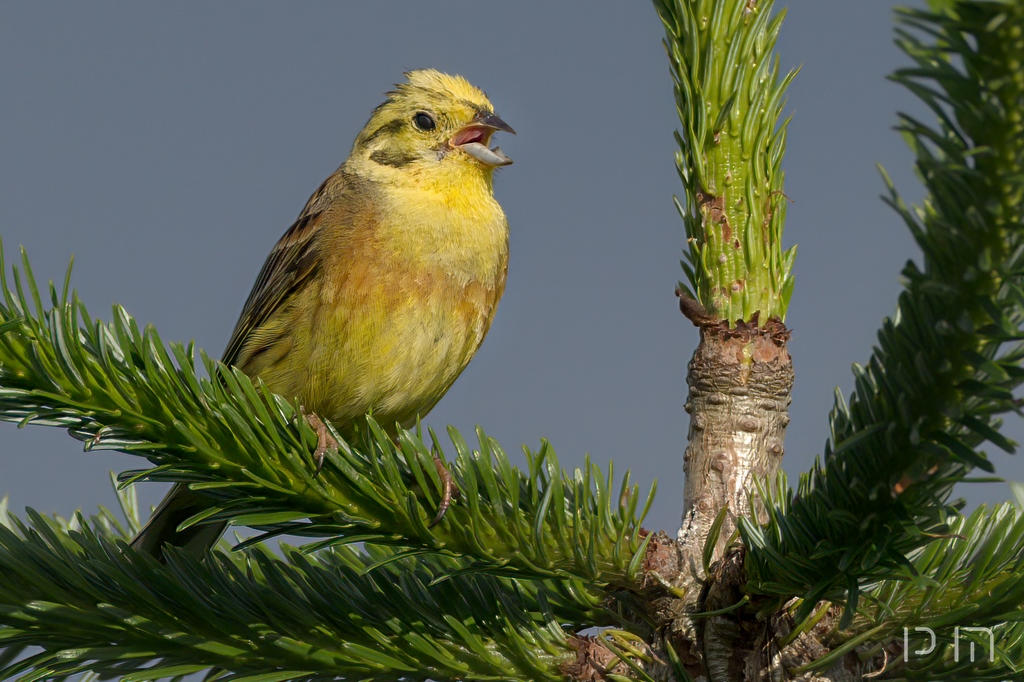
(381, 292)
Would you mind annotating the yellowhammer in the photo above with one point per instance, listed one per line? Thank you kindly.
(383, 289)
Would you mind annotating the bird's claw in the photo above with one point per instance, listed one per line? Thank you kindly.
(324, 441)
(449, 491)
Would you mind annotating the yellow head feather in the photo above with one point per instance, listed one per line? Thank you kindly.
(417, 129)
(430, 83)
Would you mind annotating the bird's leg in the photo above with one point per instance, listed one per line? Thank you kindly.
(324, 441)
(449, 491)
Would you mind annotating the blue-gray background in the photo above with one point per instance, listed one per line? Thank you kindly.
(167, 146)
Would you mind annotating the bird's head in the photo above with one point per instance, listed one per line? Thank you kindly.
(433, 123)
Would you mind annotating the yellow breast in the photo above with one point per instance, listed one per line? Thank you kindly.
(411, 280)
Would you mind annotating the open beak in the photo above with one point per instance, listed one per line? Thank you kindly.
(474, 138)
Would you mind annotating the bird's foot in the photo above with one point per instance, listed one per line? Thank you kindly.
(324, 441)
(449, 491)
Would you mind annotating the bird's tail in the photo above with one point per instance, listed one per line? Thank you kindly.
(162, 529)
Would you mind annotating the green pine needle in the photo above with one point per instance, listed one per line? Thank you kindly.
(115, 386)
(729, 97)
(948, 363)
(92, 604)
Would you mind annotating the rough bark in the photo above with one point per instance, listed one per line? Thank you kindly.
(740, 380)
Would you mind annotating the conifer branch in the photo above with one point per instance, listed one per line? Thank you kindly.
(948, 362)
(969, 579)
(118, 387)
(973, 577)
(731, 142)
(93, 605)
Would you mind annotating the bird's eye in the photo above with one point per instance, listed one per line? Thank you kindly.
(424, 121)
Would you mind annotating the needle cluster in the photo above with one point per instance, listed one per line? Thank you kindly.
(729, 97)
(945, 369)
(569, 538)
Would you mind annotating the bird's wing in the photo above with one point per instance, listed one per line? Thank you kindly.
(292, 262)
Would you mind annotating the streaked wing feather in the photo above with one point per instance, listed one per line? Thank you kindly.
(292, 262)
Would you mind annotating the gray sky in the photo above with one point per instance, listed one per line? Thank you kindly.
(168, 146)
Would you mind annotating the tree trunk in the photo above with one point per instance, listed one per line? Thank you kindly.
(740, 380)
